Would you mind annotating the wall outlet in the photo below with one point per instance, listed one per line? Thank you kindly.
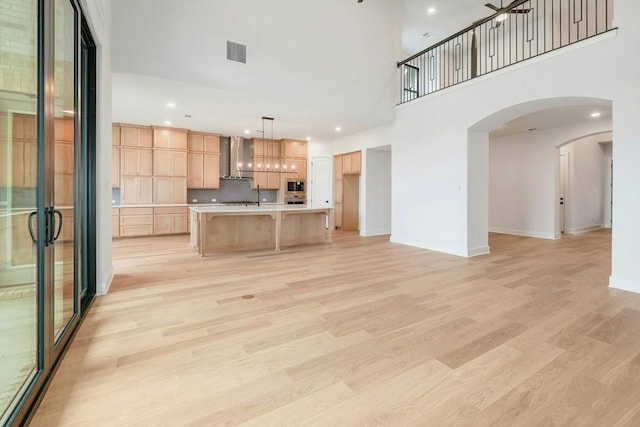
(214, 200)
(194, 201)
(264, 200)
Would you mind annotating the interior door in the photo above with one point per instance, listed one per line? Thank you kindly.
(321, 181)
(564, 189)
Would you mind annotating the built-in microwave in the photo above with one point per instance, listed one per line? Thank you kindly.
(295, 186)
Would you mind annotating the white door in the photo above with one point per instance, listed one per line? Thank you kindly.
(321, 181)
(608, 193)
(564, 189)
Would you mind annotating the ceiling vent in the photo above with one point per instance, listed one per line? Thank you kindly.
(236, 52)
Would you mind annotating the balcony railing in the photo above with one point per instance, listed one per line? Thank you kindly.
(522, 30)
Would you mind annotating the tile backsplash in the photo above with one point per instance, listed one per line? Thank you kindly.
(231, 190)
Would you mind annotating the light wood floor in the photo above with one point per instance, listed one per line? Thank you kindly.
(361, 332)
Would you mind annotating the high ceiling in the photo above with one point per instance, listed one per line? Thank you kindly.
(312, 65)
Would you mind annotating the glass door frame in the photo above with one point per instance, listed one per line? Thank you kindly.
(49, 350)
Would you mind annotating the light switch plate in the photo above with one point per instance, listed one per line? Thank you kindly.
(214, 200)
(194, 200)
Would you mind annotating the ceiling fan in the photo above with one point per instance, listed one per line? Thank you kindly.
(498, 9)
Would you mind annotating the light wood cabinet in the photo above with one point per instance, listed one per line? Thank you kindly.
(203, 142)
(203, 160)
(170, 220)
(115, 222)
(67, 230)
(63, 129)
(299, 166)
(136, 136)
(268, 178)
(195, 170)
(203, 170)
(115, 135)
(167, 190)
(351, 163)
(295, 148)
(136, 162)
(63, 157)
(24, 164)
(337, 166)
(24, 126)
(63, 188)
(115, 167)
(169, 163)
(170, 138)
(136, 189)
(345, 167)
(136, 222)
(267, 148)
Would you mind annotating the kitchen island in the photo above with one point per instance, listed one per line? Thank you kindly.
(222, 228)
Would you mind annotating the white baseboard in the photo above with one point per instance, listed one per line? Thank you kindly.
(580, 230)
(375, 232)
(483, 250)
(103, 288)
(624, 284)
(524, 233)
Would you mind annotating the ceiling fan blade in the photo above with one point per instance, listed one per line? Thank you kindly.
(490, 6)
(520, 11)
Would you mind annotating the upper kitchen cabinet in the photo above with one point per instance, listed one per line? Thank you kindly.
(295, 149)
(170, 138)
(136, 162)
(351, 163)
(203, 142)
(267, 148)
(136, 136)
(203, 160)
(169, 163)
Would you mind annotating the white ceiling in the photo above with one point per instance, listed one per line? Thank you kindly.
(312, 65)
(554, 117)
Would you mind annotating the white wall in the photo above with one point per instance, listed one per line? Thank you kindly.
(430, 141)
(585, 198)
(377, 193)
(98, 14)
(523, 177)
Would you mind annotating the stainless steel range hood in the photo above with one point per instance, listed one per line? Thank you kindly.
(235, 157)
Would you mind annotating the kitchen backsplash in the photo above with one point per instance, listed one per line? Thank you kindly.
(115, 196)
(231, 190)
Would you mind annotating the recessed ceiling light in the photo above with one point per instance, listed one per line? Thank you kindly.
(595, 114)
(338, 128)
(431, 11)
(531, 129)
(308, 138)
(171, 105)
(188, 116)
(167, 122)
(426, 35)
(247, 131)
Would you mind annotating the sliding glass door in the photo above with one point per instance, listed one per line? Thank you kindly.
(19, 210)
(45, 174)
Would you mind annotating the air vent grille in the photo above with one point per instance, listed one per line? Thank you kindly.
(236, 52)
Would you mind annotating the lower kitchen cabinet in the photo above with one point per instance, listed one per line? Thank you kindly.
(136, 222)
(170, 220)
